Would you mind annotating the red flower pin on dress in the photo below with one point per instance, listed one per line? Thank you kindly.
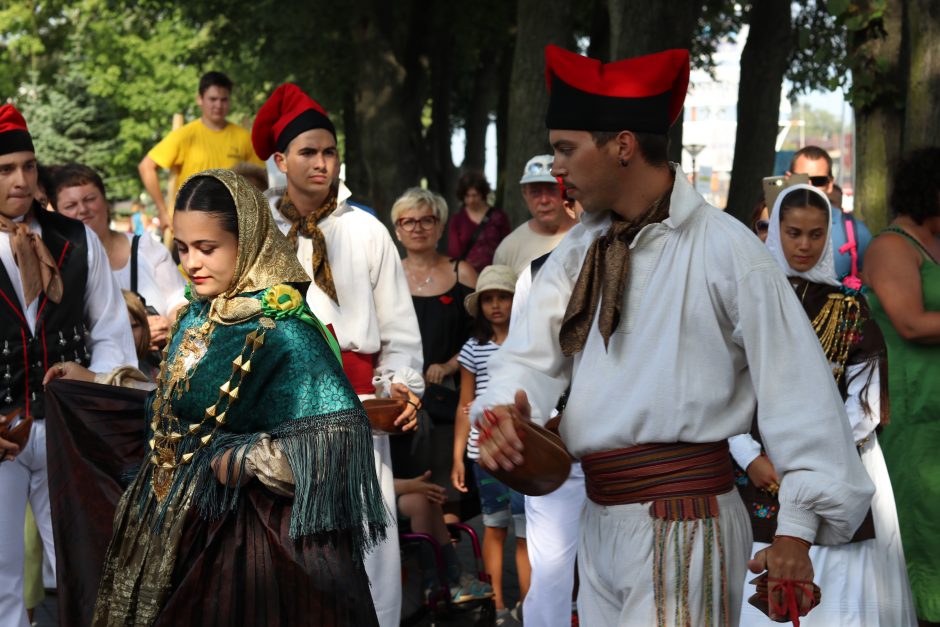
(446, 299)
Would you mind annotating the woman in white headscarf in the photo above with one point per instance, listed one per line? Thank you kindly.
(864, 582)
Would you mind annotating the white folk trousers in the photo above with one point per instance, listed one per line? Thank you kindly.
(383, 563)
(24, 479)
(552, 524)
(616, 566)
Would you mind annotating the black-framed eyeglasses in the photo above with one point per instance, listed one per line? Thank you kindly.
(426, 222)
(819, 181)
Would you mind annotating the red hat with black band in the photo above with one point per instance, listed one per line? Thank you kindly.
(285, 115)
(14, 136)
(643, 94)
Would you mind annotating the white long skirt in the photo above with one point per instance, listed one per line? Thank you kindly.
(864, 584)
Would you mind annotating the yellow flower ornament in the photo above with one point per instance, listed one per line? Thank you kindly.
(283, 301)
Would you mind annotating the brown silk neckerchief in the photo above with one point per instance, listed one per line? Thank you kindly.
(603, 277)
(38, 270)
(307, 227)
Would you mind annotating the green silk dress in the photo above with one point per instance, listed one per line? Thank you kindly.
(187, 550)
(911, 439)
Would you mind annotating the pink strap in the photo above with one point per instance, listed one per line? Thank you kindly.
(851, 246)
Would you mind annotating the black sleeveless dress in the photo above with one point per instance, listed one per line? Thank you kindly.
(445, 326)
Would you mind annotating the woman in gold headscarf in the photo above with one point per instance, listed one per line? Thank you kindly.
(258, 494)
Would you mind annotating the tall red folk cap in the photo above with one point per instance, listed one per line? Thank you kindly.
(643, 94)
(285, 115)
(14, 136)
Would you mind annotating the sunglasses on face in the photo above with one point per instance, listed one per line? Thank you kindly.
(762, 225)
(819, 181)
(538, 167)
(409, 224)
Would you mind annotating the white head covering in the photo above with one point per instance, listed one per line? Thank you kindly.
(825, 269)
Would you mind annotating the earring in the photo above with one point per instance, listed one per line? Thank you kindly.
(624, 163)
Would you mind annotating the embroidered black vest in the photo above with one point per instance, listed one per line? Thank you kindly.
(60, 329)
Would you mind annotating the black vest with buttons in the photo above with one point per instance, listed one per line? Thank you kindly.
(60, 328)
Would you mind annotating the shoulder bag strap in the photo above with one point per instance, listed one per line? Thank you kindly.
(135, 245)
(476, 235)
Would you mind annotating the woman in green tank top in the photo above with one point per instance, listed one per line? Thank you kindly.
(901, 267)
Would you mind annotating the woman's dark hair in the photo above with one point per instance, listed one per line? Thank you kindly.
(472, 180)
(72, 175)
(799, 198)
(916, 192)
(481, 330)
(205, 193)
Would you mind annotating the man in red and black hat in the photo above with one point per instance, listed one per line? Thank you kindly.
(58, 307)
(672, 324)
(358, 286)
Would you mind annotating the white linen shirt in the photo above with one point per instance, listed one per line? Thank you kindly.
(109, 338)
(710, 328)
(375, 312)
(158, 279)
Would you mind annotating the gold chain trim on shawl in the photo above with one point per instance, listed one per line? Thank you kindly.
(837, 326)
(173, 382)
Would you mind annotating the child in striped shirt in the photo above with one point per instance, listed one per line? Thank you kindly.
(491, 306)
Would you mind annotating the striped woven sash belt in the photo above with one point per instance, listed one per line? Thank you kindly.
(681, 480)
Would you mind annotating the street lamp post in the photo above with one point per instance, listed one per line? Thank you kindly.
(694, 150)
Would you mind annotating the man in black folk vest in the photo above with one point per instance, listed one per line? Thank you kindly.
(59, 304)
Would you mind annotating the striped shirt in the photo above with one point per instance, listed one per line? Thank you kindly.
(475, 357)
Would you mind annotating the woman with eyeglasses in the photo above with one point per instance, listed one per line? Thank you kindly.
(438, 287)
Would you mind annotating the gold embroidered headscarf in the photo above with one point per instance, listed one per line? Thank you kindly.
(265, 257)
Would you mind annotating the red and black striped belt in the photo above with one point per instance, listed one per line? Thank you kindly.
(680, 479)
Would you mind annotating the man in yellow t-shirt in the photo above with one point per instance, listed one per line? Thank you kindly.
(209, 142)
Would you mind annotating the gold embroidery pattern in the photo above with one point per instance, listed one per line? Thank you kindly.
(173, 382)
(837, 326)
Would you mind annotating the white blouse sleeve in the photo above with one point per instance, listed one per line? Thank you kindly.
(166, 275)
(744, 449)
(110, 340)
(863, 421)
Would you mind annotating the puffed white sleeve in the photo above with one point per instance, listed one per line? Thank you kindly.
(531, 358)
(824, 489)
(400, 356)
(862, 405)
(110, 340)
(166, 275)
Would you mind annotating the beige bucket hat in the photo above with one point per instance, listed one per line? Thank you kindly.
(491, 278)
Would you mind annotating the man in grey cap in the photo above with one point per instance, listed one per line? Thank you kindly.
(549, 221)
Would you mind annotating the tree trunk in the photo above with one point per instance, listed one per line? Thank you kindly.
(502, 125)
(922, 120)
(879, 125)
(540, 22)
(439, 166)
(482, 103)
(387, 103)
(763, 63)
(638, 28)
(599, 48)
